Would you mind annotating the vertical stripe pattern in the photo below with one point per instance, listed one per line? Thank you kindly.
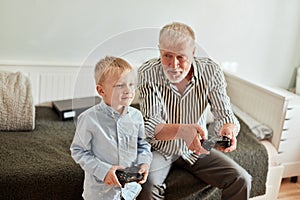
(162, 103)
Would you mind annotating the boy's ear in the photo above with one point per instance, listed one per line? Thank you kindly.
(100, 90)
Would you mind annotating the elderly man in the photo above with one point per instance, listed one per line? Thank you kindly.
(175, 91)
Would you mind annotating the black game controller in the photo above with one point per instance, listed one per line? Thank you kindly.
(223, 142)
(218, 142)
(128, 175)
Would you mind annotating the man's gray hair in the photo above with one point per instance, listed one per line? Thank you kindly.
(177, 33)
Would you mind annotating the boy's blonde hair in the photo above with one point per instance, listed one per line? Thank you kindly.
(110, 66)
(177, 32)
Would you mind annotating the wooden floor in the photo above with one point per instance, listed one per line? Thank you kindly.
(289, 190)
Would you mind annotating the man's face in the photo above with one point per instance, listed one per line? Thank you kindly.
(176, 60)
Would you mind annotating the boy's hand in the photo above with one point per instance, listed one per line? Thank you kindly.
(111, 178)
(144, 170)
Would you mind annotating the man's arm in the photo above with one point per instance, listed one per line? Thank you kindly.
(220, 105)
(226, 124)
(155, 114)
(188, 132)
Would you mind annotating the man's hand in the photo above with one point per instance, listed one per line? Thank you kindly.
(190, 134)
(111, 178)
(230, 131)
(144, 170)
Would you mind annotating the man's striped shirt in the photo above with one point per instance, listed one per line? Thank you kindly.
(161, 101)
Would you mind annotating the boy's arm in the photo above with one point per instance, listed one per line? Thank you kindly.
(144, 148)
(82, 154)
(144, 153)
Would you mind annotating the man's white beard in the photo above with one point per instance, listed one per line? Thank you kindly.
(175, 78)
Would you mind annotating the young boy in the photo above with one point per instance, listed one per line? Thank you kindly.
(110, 135)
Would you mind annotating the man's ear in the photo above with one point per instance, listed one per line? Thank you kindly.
(100, 90)
(194, 51)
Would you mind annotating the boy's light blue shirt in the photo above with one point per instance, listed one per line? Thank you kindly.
(104, 138)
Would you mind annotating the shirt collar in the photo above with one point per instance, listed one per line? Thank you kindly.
(195, 71)
(112, 112)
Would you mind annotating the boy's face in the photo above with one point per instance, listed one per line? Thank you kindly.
(118, 91)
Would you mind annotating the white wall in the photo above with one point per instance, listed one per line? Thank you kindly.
(261, 36)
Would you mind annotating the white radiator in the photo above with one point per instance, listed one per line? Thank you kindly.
(54, 86)
(56, 82)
